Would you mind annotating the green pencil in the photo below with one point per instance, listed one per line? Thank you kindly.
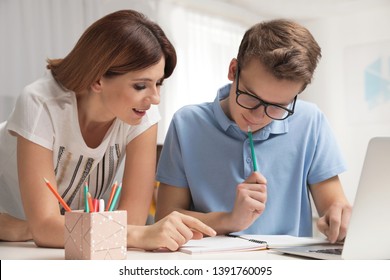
(86, 206)
(116, 196)
(252, 149)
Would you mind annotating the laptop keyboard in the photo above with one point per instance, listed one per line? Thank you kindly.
(333, 251)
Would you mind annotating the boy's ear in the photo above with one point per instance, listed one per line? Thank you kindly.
(232, 69)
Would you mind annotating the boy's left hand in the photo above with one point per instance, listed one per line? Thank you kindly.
(335, 222)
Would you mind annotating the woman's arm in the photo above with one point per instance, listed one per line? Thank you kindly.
(137, 191)
(139, 176)
(40, 206)
(13, 229)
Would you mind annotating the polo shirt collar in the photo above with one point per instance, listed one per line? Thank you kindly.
(275, 127)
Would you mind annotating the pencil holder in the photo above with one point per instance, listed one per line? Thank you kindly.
(96, 236)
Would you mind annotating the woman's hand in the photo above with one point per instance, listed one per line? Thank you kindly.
(171, 232)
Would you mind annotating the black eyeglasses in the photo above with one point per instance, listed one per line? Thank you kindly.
(252, 102)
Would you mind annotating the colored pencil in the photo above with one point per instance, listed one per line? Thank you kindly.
(101, 205)
(57, 195)
(254, 161)
(116, 196)
(113, 190)
(86, 205)
(95, 203)
(90, 203)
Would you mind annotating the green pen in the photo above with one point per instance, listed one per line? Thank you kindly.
(252, 149)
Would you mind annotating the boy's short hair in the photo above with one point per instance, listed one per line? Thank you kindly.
(287, 49)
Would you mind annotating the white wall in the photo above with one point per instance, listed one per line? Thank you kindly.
(349, 42)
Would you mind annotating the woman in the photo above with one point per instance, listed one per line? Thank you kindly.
(92, 110)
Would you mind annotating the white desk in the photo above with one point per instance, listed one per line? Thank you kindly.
(281, 265)
(29, 251)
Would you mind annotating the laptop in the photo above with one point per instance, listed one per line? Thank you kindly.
(368, 235)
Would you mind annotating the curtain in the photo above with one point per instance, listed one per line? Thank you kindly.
(205, 45)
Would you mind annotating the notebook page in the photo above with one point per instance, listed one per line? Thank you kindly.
(219, 244)
(277, 241)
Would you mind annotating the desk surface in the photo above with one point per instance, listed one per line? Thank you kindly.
(29, 251)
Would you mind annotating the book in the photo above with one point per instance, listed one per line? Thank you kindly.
(239, 243)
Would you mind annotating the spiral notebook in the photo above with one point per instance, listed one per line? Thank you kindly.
(239, 243)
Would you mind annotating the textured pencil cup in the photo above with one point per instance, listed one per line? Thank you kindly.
(96, 236)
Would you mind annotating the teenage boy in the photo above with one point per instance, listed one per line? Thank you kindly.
(207, 170)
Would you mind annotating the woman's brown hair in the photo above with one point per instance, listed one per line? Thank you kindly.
(118, 43)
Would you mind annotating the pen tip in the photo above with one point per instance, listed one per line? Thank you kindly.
(249, 128)
(45, 180)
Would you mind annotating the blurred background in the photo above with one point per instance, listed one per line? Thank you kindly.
(351, 84)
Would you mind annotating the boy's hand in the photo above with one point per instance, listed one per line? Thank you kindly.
(250, 201)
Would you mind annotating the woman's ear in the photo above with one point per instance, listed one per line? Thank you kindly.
(97, 86)
(232, 69)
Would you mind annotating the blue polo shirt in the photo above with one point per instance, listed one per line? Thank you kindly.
(208, 153)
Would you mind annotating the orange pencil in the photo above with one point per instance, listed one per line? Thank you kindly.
(56, 194)
(113, 190)
(90, 203)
